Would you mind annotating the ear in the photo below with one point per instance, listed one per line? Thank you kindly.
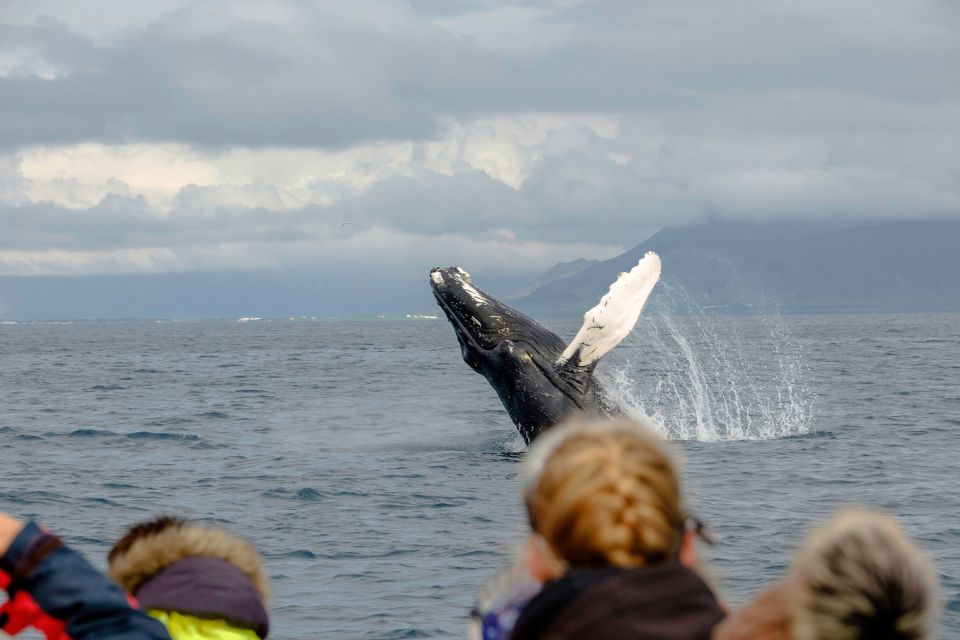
(539, 565)
(689, 557)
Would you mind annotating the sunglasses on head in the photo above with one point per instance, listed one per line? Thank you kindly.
(696, 526)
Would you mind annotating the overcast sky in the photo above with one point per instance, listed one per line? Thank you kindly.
(176, 136)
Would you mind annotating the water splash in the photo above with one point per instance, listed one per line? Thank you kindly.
(709, 378)
(514, 443)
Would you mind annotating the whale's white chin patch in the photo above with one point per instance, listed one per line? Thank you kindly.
(437, 277)
(605, 325)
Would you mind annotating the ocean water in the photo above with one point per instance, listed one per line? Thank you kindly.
(378, 473)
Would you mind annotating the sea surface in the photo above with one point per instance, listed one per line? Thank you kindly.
(378, 473)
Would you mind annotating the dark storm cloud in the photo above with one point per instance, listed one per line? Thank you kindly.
(334, 74)
(329, 81)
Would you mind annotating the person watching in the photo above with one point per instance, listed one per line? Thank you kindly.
(201, 582)
(53, 589)
(609, 540)
(856, 578)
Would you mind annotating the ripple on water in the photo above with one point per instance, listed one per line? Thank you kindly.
(347, 493)
(309, 494)
(85, 540)
(213, 414)
(167, 422)
(103, 501)
(33, 497)
(203, 444)
(156, 435)
(475, 553)
(406, 632)
(90, 433)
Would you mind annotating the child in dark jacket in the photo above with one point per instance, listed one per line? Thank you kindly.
(53, 589)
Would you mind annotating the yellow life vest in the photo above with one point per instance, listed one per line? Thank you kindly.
(186, 627)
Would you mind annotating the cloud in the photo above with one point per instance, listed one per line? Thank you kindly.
(232, 134)
(223, 73)
(371, 252)
(574, 182)
(226, 73)
(507, 149)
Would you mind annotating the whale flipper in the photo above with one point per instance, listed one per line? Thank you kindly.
(606, 324)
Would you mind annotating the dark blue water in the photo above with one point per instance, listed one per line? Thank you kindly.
(378, 473)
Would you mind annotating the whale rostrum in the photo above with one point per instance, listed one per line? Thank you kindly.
(540, 378)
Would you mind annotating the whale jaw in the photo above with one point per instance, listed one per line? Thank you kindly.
(481, 321)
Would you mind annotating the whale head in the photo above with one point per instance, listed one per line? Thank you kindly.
(517, 355)
(483, 324)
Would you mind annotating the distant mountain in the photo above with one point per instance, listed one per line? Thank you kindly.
(718, 266)
(554, 274)
(743, 267)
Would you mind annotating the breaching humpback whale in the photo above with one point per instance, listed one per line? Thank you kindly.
(539, 378)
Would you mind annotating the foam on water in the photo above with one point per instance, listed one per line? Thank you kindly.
(514, 444)
(704, 378)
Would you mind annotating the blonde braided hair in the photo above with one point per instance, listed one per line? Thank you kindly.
(606, 495)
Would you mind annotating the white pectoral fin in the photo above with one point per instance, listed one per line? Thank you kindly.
(605, 325)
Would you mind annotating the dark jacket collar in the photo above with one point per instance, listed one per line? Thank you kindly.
(206, 588)
(663, 602)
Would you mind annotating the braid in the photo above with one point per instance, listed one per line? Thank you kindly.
(608, 497)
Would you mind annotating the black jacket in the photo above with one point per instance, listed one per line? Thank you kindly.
(662, 602)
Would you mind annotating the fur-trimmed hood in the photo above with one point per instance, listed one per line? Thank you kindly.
(150, 554)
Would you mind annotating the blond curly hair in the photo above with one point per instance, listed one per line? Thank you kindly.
(861, 577)
(604, 494)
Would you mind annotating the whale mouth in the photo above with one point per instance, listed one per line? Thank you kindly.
(472, 312)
